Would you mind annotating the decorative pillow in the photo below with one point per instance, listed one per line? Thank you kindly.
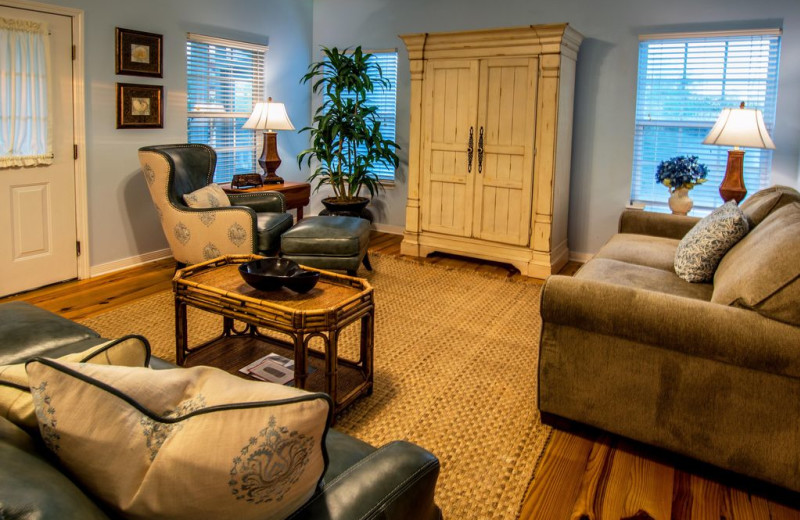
(700, 251)
(16, 403)
(762, 272)
(211, 196)
(761, 204)
(184, 443)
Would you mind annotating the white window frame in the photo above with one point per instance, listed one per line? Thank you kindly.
(735, 84)
(242, 142)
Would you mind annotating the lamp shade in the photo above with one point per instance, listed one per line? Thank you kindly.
(269, 116)
(740, 127)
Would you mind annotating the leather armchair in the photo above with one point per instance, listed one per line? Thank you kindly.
(396, 481)
(252, 224)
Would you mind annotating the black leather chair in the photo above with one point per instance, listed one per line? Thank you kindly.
(252, 224)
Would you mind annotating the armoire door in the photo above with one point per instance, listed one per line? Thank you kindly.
(504, 150)
(449, 119)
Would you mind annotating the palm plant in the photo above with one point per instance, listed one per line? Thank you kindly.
(346, 138)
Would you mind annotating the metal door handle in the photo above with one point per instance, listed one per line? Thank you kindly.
(470, 149)
(480, 151)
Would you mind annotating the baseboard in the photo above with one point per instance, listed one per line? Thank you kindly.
(388, 228)
(575, 256)
(125, 263)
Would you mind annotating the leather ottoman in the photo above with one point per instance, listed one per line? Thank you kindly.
(330, 242)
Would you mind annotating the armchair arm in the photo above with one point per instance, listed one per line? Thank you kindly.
(655, 224)
(395, 482)
(198, 234)
(260, 201)
(698, 328)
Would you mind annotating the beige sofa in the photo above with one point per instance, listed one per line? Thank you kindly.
(712, 370)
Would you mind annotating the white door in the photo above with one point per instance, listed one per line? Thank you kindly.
(449, 143)
(37, 214)
(506, 122)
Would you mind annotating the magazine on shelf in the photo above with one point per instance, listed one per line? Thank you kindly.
(273, 368)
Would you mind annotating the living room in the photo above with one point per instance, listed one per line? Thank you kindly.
(122, 229)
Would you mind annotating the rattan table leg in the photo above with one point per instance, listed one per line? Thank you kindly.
(331, 365)
(181, 339)
(367, 347)
(300, 361)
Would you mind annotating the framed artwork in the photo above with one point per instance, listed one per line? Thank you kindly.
(139, 53)
(140, 106)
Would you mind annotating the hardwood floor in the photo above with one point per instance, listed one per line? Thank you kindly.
(583, 474)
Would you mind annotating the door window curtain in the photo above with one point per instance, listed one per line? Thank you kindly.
(25, 124)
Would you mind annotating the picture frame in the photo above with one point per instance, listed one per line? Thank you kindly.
(140, 106)
(139, 53)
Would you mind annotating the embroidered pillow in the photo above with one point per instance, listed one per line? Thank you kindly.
(211, 196)
(16, 403)
(700, 251)
(184, 443)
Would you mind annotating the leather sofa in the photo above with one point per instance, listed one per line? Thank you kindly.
(395, 481)
(707, 370)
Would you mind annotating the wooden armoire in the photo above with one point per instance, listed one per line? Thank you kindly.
(490, 144)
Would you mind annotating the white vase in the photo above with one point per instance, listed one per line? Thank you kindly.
(679, 202)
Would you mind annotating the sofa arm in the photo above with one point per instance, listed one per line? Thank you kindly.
(395, 482)
(698, 328)
(260, 201)
(654, 224)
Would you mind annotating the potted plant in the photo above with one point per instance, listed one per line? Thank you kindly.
(680, 174)
(346, 138)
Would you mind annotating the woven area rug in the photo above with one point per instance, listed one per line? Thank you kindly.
(455, 372)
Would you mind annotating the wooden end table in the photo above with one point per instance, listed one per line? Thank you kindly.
(297, 194)
(336, 302)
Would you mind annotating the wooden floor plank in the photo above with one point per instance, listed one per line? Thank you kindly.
(636, 487)
(593, 480)
(564, 471)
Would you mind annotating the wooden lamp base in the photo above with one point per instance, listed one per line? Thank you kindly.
(269, 160)
(732, 187)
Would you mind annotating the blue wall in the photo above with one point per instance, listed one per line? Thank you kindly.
(122, 220)
(606, 80)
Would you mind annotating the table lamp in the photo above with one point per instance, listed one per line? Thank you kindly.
(269, 116)
(738, 127)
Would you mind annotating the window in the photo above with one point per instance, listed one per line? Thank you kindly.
(684, 83)
(385, 99)
(25, 126)
(225, 79)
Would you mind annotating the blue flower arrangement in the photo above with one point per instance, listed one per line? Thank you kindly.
(683, 171)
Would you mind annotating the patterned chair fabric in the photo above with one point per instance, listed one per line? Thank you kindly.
(253, 223)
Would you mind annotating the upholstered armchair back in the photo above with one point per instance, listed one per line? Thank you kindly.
(193, 165)
(194, 235)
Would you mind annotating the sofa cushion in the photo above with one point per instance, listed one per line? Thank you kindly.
(700, 251)
(762, 272)
(758, 206)
(33, 488)
(16, 403)
(183, 443)
(642, 277)
(650, 251)
(211, 196)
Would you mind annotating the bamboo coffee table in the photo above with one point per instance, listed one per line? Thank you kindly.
(336, 302)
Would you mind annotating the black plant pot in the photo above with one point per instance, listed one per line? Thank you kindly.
(356, 207)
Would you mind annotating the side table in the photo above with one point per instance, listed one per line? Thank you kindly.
(297, 194)
(281, 322)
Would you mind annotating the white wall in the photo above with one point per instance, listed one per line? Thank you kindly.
(122, 220)
(606, 80)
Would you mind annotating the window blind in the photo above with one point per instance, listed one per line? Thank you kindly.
(224, 80)
(385, 99)
(684, 82)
